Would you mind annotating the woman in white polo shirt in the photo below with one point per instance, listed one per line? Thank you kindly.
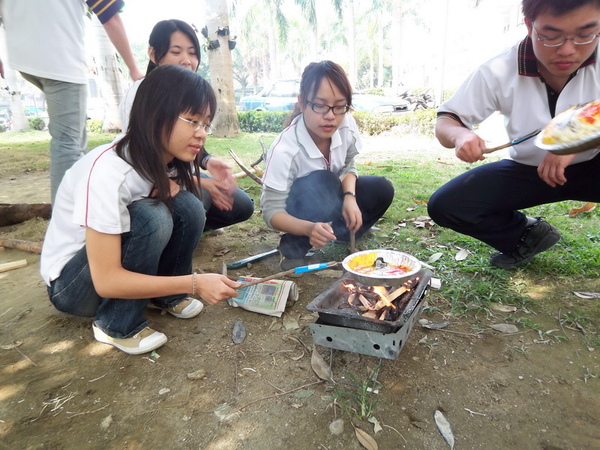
(128, 217)
(311, 189)
(175, 42)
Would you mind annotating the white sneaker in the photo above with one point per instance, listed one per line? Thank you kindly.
(143, 342)
(186, 309)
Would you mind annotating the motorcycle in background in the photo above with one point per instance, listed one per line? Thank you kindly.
(423, 100)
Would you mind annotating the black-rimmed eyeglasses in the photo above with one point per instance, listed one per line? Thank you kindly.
(324, 109)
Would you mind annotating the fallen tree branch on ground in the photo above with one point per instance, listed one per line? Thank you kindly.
(249, 172)
(28, 246)
(11, 214)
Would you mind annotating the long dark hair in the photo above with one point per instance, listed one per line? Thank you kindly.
(163, 95)
(312, 76)
(160, 39)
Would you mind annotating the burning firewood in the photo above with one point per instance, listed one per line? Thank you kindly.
(377, 302)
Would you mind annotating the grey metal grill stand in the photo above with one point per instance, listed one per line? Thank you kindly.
(365, 342)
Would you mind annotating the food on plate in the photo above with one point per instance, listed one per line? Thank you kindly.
(574, 124)
(371, 263)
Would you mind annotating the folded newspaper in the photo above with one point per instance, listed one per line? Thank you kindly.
(269, 297)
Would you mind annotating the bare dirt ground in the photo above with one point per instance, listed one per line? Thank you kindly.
(59, 389)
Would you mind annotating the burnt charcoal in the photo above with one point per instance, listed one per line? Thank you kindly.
(371, 296)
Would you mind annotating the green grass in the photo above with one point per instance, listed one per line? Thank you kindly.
(29, 151)
(469, 286)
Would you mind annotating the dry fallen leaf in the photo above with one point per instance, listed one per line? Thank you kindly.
(365, 439)
(585, 208)
(376, 426)
(505, 328)
(319, 365)
(587, 295)
(462, 254)
(433, 258)
(221, 252)
(444, 427)
(503, 308)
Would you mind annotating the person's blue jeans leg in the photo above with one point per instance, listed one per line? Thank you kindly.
(316, 197)
(189, 219)
(374, 195)
(243, 208)
(141, 249)
(67, 114)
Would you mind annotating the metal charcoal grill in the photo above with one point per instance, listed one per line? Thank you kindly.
(346, 329)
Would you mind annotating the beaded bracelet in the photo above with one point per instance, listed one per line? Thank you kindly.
(194, 284)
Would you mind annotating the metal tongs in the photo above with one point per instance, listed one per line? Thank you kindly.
(513, 142)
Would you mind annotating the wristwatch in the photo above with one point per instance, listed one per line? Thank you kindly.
(349, 193)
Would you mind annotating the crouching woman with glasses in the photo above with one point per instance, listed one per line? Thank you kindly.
(311, 189)
(127, 219)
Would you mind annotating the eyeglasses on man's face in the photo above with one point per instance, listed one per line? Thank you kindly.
(557, 41)
(324, 109)
(197, 125)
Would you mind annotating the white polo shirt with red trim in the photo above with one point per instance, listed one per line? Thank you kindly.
(95, 192)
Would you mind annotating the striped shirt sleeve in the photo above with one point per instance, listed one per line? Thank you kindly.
(105, 9)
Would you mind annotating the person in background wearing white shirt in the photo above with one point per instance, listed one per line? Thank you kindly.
(45, 41)
(175, 42)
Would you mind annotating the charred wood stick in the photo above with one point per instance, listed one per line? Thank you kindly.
(11, 214)
(28, 246)
(397, 293)
(244, 168)
(352, 242)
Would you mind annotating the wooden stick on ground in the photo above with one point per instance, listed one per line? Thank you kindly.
(28, 246)
(244, 168)
(13, 265)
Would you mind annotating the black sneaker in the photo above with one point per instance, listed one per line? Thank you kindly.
(537, 238)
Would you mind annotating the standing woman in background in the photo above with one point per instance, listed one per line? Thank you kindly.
(310, 178)
(127, 219)
(175, 42)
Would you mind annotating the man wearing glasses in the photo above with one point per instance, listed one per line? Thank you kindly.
(552, 69)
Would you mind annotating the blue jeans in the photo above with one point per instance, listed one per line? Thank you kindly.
(160, 242)
(317, 197)
(242, 210)
(484, 202)
(67, 114)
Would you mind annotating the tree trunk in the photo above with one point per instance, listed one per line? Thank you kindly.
(109, 77)
(396, 39)
(18, 119)
(380, 51)
(352, 71)
(225, 122)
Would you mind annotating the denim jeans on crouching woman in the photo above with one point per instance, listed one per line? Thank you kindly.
(318, 197)
(160, 242)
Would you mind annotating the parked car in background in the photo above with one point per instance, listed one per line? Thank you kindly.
(283, 94)
(378, 103)
(280, 96)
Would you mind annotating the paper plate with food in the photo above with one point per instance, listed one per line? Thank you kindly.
(574, 130)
